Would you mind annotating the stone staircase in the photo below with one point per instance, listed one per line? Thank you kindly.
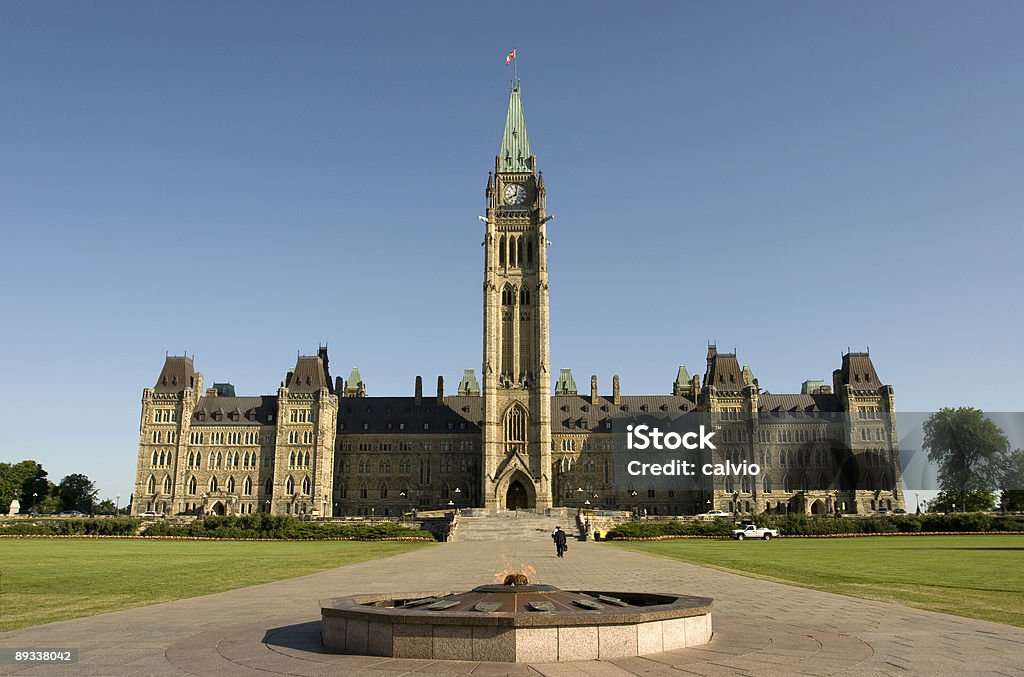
(513, 526)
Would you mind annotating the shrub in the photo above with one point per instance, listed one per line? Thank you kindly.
(104, 526)
(719, 528)
(264, 526)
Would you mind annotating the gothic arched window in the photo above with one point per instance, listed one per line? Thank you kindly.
(515, 429)
(151, 485)
(167, 484)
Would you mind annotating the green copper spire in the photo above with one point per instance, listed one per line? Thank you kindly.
(515, 144)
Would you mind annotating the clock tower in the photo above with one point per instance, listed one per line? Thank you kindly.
(516, 368)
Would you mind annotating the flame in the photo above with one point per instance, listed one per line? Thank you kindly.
(509, 568)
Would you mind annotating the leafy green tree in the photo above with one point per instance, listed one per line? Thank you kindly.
(1013, 481)
(77, 492)
(21, 480)
(969, 450)
(50, 503)
(972, 501)
(105, 507)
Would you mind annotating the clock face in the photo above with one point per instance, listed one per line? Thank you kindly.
(515, 194)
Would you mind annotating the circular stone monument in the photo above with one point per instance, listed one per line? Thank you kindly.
(515, 623)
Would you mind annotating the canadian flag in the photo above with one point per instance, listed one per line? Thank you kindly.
(511, 55)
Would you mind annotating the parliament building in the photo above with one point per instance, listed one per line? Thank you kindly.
(322, 446)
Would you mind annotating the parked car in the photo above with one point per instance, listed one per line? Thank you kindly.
(151, 513)
(72, 513)
(754, 531)
(714, 514)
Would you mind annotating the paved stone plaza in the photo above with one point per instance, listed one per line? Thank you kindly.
(760, 628)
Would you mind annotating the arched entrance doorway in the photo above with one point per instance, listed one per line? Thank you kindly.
(516, 497)
(818, 508)
(218, 508)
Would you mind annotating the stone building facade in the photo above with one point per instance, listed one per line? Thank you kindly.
(323, 447)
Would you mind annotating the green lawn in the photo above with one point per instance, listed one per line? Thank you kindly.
(48, 580)
(976, 576)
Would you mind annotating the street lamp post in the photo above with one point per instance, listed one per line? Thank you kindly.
(34, 501)
(117, 503)
(268, 506)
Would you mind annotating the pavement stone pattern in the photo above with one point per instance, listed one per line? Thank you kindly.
(760, 627)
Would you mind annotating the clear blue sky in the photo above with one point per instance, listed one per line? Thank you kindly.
(245, 180)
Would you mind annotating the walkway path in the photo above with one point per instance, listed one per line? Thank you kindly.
(761, 628)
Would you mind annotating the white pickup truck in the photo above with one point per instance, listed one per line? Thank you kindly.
(754, 531)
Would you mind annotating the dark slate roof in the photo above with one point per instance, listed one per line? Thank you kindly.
(575, 413)
(220, 411)
(178, 373)
(456, 414)
(859, 372)
(309, 375)
(770, 402)
(723, 372)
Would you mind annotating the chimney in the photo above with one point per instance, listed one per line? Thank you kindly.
(593, 389)
(440, 389)
(616, 399)
(339, 386)
(419, 390)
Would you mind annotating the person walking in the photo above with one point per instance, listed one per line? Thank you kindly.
(560, 544)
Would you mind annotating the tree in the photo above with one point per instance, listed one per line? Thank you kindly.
(968, 449)
(77, 492)
(1013, 481)
(21, 480)
(972, 501)
(105, 507)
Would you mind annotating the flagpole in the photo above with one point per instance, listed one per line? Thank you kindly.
(515, 67)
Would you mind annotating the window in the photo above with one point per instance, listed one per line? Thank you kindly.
(766, 484)
(515, 429)
(289, 486)
(305, 485)
(167, 484)
(192, 486)
(247, 486)
(151, 485)
(382, 492)
(230, 485)
(213, 484)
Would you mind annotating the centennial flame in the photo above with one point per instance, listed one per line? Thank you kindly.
(510, 575)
